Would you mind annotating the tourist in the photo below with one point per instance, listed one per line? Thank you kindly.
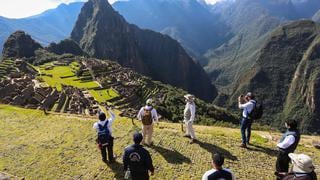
(148, 115)
(105, 139)
(247, 104)
(137, 161)
(218, 172)
(288, 143)
(189, 117)
(302, 168)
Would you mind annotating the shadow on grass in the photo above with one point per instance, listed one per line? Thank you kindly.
(117, 168)
(262, 149)
(211, 148)
(171, 156)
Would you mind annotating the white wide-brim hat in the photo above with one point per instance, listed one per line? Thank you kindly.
(301, 163)
(189, 97)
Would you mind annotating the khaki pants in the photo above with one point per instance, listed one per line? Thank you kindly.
(189, 129)
(147, 131)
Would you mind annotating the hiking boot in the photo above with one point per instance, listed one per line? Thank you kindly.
(243, 145)
(248, 144)
(187, 136)
(193, 141)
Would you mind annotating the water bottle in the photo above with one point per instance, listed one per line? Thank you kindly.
(127, 174)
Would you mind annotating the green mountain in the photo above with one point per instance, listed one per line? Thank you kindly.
(250, 23)
(103, 33)
(286, 75)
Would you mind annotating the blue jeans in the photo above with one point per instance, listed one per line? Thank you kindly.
(246, 125)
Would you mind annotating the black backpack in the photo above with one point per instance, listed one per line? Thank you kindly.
(104, 136)
(257, 111)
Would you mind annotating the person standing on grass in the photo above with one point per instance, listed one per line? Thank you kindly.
(148, 115)
(288, 143)
(137, 161)
(218, 172)
(105, 138)
(247, 104)
(189, 117)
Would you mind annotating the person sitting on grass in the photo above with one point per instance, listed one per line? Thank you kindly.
(105, 139)
(218, 172)
(288, 143)
(302, 168)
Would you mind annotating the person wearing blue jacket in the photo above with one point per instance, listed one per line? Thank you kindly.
(137, 160)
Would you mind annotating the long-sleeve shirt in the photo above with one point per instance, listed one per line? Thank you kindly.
(287, 142)
(137, 159)
(189, 112)
(247, 108)
(153, 113)
(109, 120)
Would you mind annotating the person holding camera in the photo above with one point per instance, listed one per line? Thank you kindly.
(247, 104)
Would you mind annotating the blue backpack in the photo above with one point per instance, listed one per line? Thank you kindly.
(104, 136)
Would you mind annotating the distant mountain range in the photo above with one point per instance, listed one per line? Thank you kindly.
(50, 26)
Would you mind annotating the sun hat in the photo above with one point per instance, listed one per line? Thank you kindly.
(301, 163)
(149, 101)
(189, 97)
(250, 94)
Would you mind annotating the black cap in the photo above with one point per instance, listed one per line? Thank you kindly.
(218, 159)
(102, 116)
(137, 138)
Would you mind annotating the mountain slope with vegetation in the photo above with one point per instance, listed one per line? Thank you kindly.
(57, 146)
(286, 75)
(103, 33)
(189, 22)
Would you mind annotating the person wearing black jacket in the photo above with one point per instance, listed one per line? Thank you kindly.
(137, 160)
(288, 143)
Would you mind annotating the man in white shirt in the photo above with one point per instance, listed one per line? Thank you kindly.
(218, 173)
(105, 138)
(288, 143)
(189, 116)
(247, 104)
(148, 115)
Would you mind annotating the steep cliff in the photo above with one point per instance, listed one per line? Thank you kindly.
(105, 34)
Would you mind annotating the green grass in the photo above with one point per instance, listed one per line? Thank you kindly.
(36, 146)
(63, 75)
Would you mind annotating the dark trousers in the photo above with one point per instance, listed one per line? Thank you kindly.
(246, 126)
(104, 149)
(140, 175)
(282, 164)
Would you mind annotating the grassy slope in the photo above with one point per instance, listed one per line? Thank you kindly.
(36, 146)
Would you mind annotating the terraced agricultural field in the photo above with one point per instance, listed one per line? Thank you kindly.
(6, 67)
(56, 75)
(60, 146)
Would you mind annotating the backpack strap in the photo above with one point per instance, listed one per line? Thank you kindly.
(104, 126)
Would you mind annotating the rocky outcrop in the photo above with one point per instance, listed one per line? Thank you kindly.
(65, 46)
(20, 44)
(105, 34)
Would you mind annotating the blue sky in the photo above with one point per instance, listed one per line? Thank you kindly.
(24, 8)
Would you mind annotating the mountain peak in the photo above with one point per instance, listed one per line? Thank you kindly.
(103, 33)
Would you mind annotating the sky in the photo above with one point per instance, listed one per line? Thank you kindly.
(25, 8)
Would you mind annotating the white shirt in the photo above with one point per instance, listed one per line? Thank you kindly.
(247, 108)
(153, 113)
(192, 108)
(287, 142)
(110, 121)
(208, 173)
